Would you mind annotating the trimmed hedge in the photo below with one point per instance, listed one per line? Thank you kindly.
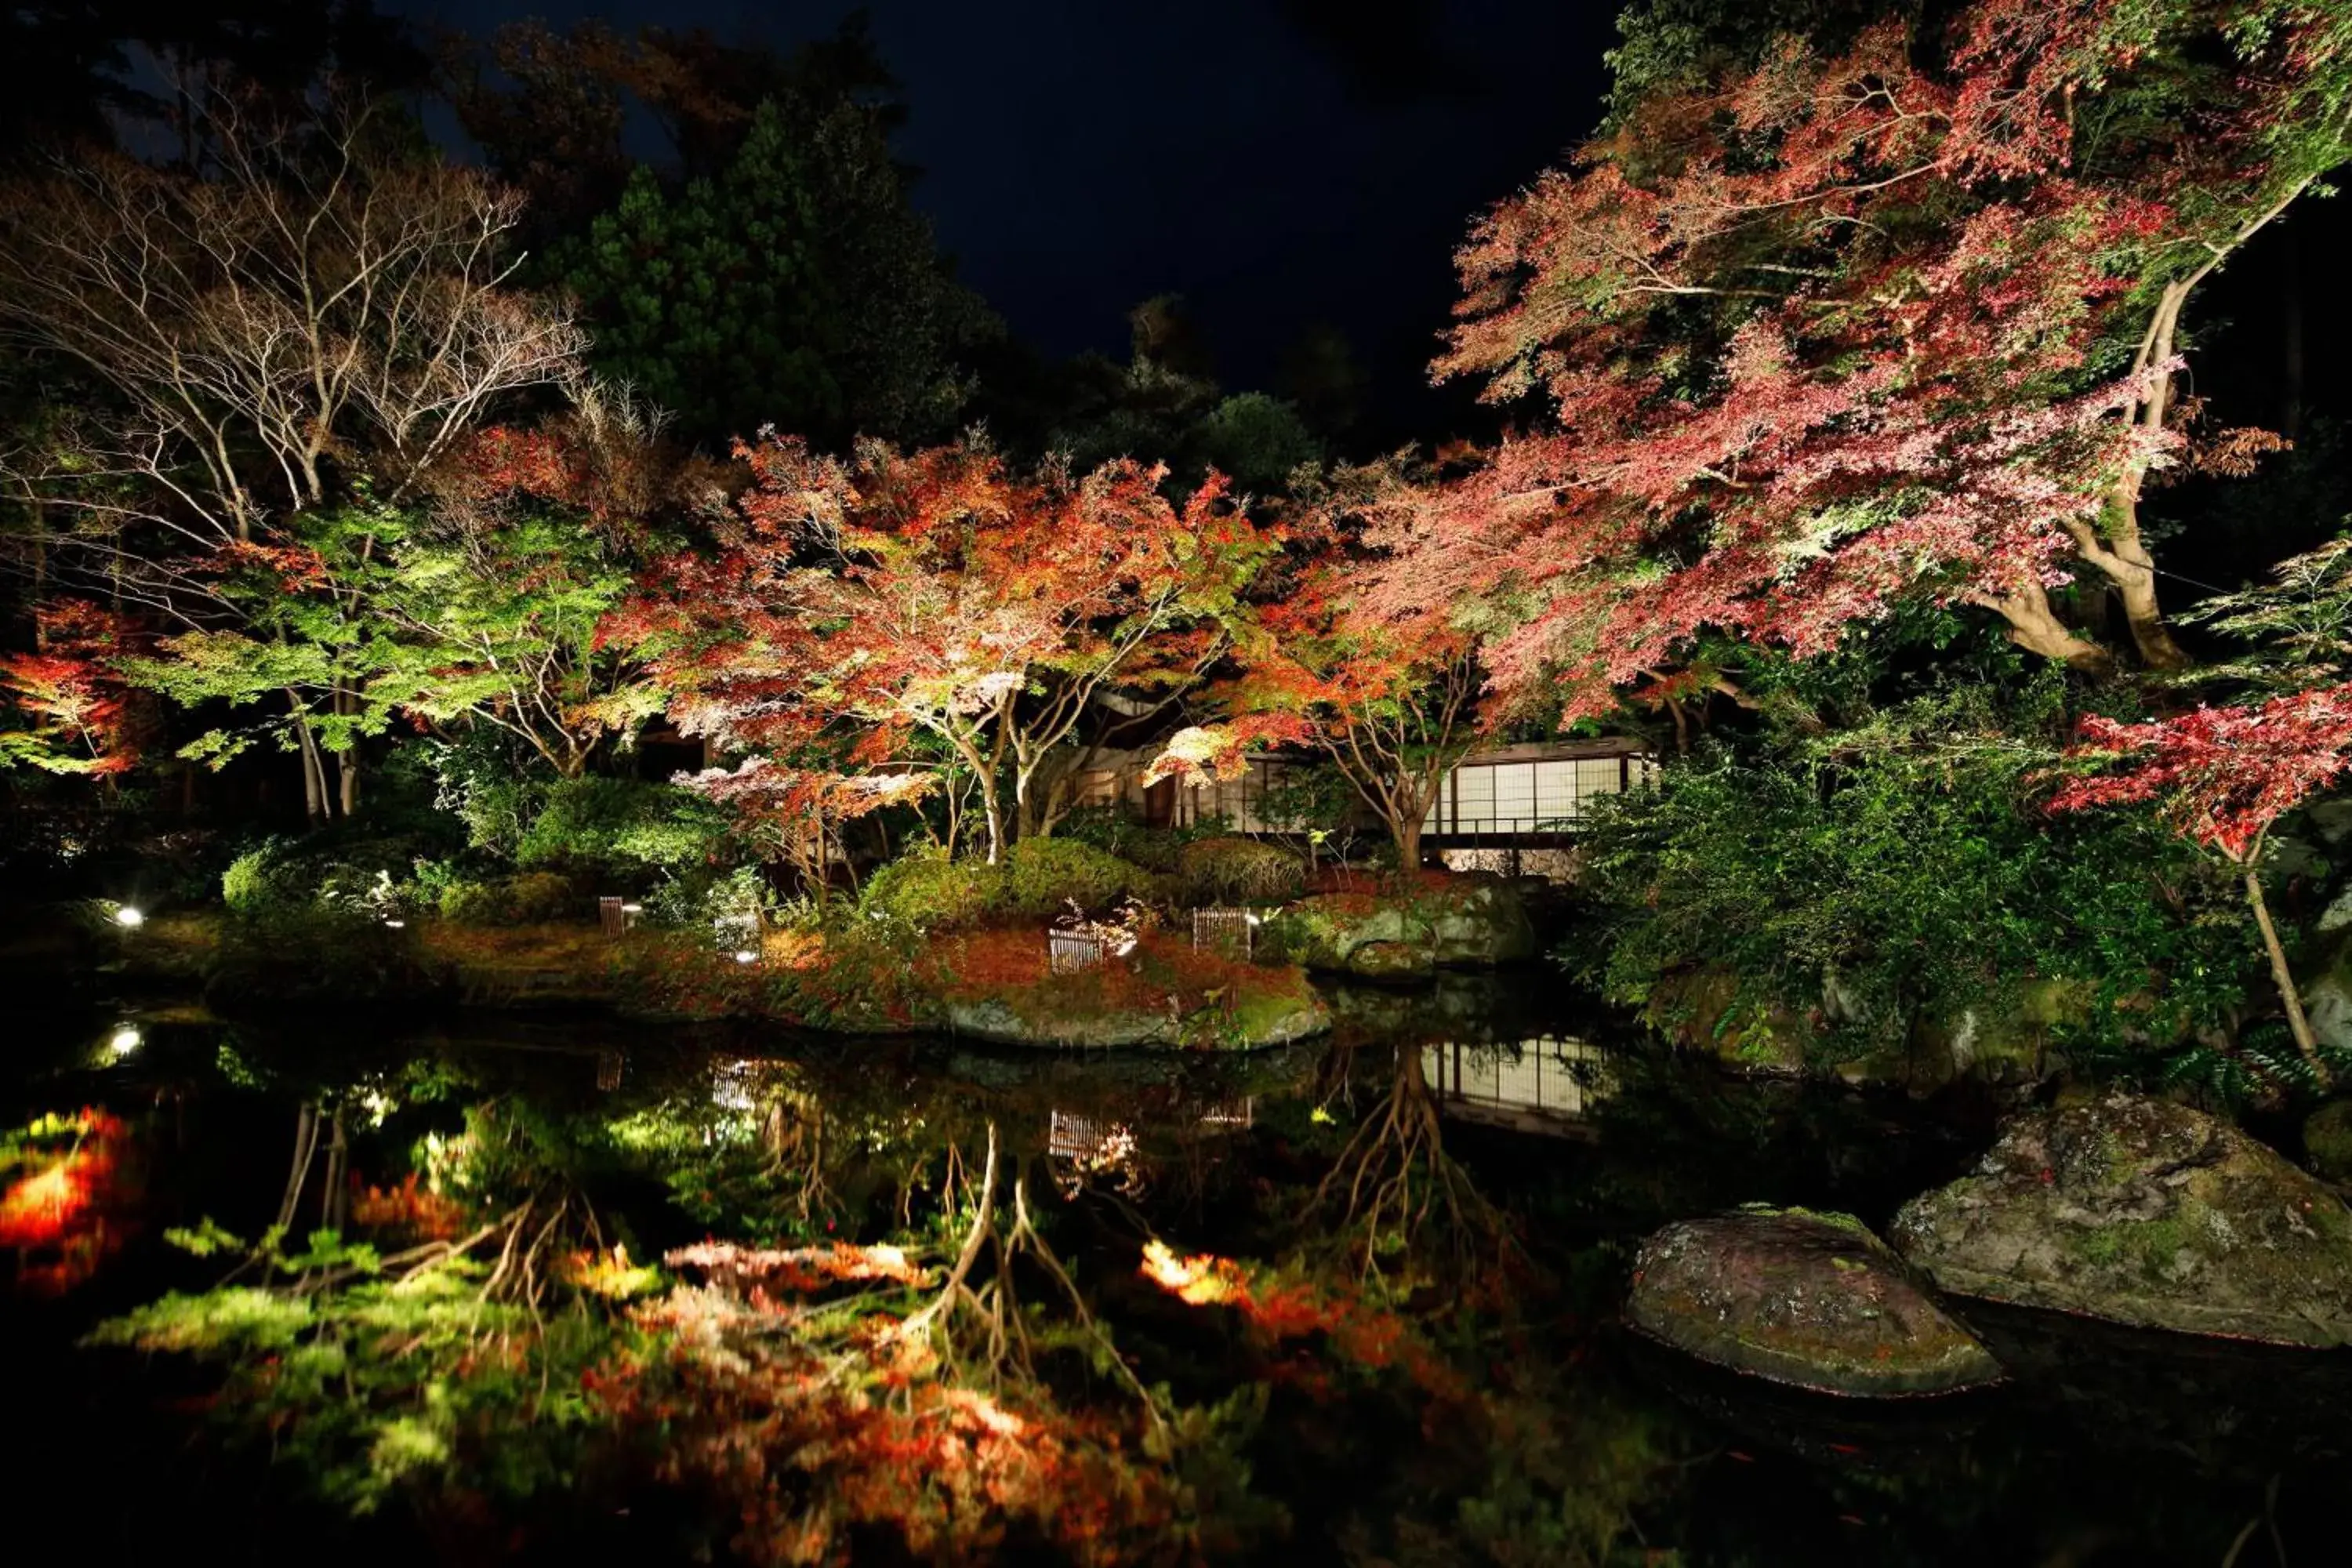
(1239, 872)
(1046, 874)
(928, 890)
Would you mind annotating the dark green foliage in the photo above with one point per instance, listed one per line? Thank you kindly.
(2261, 1066)
(1905, 877)
(1045, 876)
(1316, 803)
(1255, 439)
(1153, 849)
(1240, 871)
(1673, 45)
(621, 827)
(931, 892)
(797, 288)
(358, 875)
(530, 898)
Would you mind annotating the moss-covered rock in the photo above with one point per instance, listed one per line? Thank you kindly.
(1698, 1009)
(1701, 1009)
(1406, 929)
(2327, 991)
(2143, 1212)
(2327, 1140)
(1810, 1299)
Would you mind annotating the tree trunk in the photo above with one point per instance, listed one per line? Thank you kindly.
(995, 815)
(1030, 818)
(347, 770)
(2134, 575)
(314, 773)
(2034, 627)
(1408, 842)
(2296, 1022)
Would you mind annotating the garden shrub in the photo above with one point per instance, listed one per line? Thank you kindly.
(266, 877)
(1237, 870)
(620, 827)
(1047, 875)
(326, 872)
(531, 898)
(929, 892)
(1112, 829)
(709, 901)
(1885, 887)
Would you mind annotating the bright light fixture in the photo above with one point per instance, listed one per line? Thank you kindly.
(124, 1041)
(747, 956)
(129, 918)
(396, 924)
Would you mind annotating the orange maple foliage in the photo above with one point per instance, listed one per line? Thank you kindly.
(1358, 1332)
(410, 1209)
(854, 605)
(77, 705)
(63, 1218)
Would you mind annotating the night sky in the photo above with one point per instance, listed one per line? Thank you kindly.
(1278, 163)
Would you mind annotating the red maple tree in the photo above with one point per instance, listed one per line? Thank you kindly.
(2222, 776)
(1840, 329)
(857, 604)
(1385, 698)
(69, 689)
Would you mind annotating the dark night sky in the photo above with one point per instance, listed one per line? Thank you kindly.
(1275, 162)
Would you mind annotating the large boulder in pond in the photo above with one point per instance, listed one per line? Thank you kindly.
(1806, 1298)
(1406, 928)
(2141, 1211)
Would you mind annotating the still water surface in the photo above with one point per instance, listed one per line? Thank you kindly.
(2107, 1447)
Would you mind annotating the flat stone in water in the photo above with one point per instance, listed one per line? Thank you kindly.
(1805, 1298)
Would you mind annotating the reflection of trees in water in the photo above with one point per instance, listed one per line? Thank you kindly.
(906, 1317)
(1395, 1199)
(976, 1321)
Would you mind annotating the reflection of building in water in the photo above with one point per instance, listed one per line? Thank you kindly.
(1088, 1142)
(1096, 1143)
(1542, 1085)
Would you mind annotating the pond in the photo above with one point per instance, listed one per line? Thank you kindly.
(1350, 1303)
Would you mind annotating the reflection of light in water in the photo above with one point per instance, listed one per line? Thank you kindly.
(1550, 1077)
